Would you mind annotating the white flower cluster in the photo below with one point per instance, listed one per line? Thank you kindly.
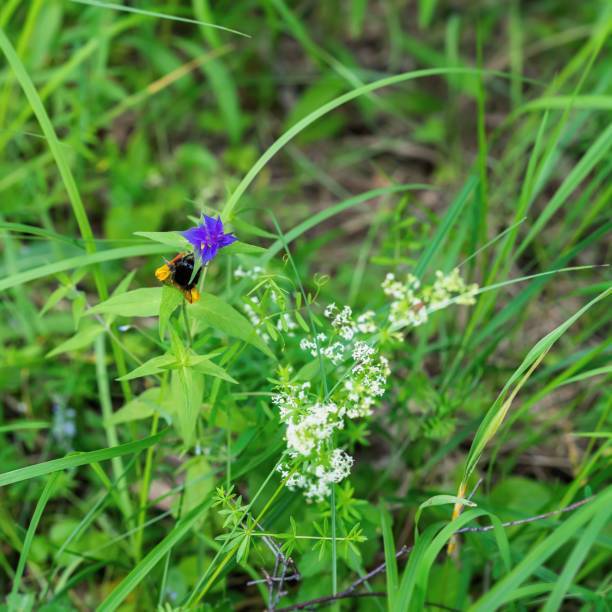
(342, 321)
(334, 352)
(254, 273)
(411, 305)
(308, 430)
(316, 479)
(368, 381)
(314, 422)
(447, 288)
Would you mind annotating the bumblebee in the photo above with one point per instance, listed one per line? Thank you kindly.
(178, 273)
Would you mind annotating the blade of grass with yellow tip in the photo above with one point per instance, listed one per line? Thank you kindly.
(495, 416)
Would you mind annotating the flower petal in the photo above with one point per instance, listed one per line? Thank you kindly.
(211, 224)
(208, 237)
(194, 235)
(227, 239)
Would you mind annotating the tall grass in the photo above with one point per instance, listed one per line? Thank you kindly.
(340, 145)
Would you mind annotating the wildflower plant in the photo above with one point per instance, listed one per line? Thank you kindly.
(347, 352)
(411, 303)
(316, 416)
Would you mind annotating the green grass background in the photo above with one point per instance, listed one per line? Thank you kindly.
(382, 135)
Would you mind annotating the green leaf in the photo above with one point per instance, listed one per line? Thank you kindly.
(173, 239)
(592, 102)
(27, 543)
(139, 11)
(580, 170)
(186, 388)
(495, 415)
(38, 231)
(300, 320)
(445, 226)
(152, 366)
(271, 330)
(17, 425)
(519, 494)
(242, 248)
(440, 500)
(201, 364)
(308, 371)
(170, 299)
(423, 568)
(243, 549)
(218, 314)
(121, 288)
(63, 166)
(247, 228)
(18, 602)
(573, 563)
(80, 340)
(406, 587)
(78, 307)
(199, 483)
(140, 407)
(137, 303)
(179, 349)
(61, 292)
(124, 283)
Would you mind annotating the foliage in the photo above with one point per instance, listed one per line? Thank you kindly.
(396, 295)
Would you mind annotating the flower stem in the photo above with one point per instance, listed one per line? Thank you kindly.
(186, 322)
(333, 544)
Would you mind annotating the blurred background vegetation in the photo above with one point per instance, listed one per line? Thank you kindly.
(160, 118)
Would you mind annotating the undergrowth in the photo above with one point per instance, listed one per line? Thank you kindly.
(305, 305)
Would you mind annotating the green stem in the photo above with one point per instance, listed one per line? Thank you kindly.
(111, 432)
(193, 328)
(334, 543)
(186, 323)
(228, 443)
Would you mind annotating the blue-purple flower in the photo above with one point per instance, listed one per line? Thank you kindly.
(208, 237)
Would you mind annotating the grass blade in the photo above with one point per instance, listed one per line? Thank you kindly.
(77, 262)
(494, 417)
(77, 459)
(392, 575)
(447, 223)
(27, 543)
(503, 590)
(572, 565)
(67, 177)
(132, 9)
(133, 579)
